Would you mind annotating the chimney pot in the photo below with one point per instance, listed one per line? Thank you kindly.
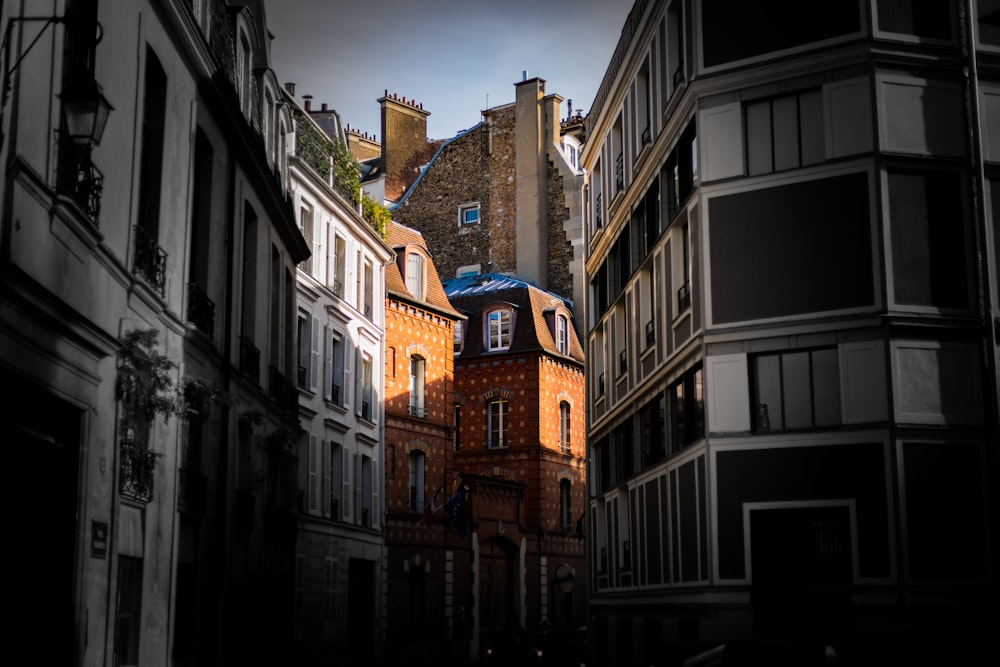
(290, 87)
(323, 106)
(308, 100)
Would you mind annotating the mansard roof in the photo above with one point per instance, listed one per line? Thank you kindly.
(401, 237)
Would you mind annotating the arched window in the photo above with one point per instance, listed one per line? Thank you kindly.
(498, 333)
(564, 433)
(415, 275)
(562, 334)
(417, 461)
(564, 504)
(417, 381)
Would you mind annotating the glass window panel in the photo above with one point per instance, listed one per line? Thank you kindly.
(759, 138)
(811, 131)
(797, 390)
(770, 415)
(786, 133)
(826, 387)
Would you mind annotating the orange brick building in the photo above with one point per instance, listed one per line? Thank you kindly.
(519, 446)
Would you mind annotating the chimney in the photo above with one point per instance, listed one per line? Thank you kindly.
(308, 102)
(322, 107)
(404, 135)
(532, 132)
(290, 87)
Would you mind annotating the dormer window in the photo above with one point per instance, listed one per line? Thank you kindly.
(415, 283)
(468, 214)
(562, 334)
(458, 335)
(498, 330)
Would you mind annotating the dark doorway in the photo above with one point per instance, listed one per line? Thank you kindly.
(498, 613)
(802, 572)
(42, 439)
(361, 620)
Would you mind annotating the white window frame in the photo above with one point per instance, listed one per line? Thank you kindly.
(464, 209)
(502, 408)
(564, 426)
(415, 272)
(418, 376)
(497, 334)
(562, 333)
(418, 463)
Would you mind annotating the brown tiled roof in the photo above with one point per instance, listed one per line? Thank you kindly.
(399, 238)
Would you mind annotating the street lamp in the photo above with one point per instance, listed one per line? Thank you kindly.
(86, 111)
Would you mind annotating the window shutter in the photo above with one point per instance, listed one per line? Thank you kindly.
(347, 485)
(313, 489)
(330, 588)
(358, 503)
(325, 489)
(328, 365)
(375, 505)
(314, 358)
(346, 389)
(357, 381)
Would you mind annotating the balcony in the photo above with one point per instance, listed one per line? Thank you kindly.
(201, 310)
(338, 287)
(136, 472)
(192, 492)
(366, 410)
(80, 180)
(150, 262)
(418, 410)
(335, 393)
(598, 213)
(249, 359)
(684, 297)
(619, 172)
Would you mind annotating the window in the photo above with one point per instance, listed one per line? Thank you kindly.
(458, 336)
(415, 275)
(149, 260)
(562, 334)
(652, 417)
(306, 226)
(565, 489)
(909, 17)
(201, 309)
(617, 150)
(468, 214)
(417, 460)
(340, 259)
(564, 432)
(335, 362)
(367, 408)
(305, 348)
(498, 335)
(243, 72)
(684, 291)
(687, 410)
(417, 380)
(930, 251)
(642, 106)
(796, 390)
(785, 133)
(498, 415)
(369, 289)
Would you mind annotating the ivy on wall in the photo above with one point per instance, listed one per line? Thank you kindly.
(334, 163)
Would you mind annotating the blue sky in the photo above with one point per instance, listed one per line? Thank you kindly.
(456, 57)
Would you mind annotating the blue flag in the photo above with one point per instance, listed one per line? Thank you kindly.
(455, 509)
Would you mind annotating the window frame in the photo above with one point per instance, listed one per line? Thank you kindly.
(416, 275)
(565, 433)
(498, 437)
(464, 210)
(418, 384)
(417, 480)
(758, 416)
(500, 334)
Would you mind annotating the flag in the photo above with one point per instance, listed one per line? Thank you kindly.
(455, 509)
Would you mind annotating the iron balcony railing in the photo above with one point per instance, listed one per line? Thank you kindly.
(301, 376)
(622, 361)
(249, 359)
(150, 260)
(684, 297)
(598, 213)
(620, 172)
(418, 410)
(201, 309)
(600, 385)
(79, 179)
(647, 137)
(136, 472)
(650, 333)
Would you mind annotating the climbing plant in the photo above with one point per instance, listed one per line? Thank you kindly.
(144, 383)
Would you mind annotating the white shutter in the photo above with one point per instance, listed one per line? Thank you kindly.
(324, 492)
(345, 394)
(327, 365)
(358, 486)
(358, 397)
(314, 358)
(313, 487)
(375, 484)
(347, 485)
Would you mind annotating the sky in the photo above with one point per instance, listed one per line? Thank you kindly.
(456, 57)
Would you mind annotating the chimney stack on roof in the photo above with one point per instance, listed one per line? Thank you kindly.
(308, 102)
(323, 107)
(290, 87)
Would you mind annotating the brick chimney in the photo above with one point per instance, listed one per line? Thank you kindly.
(404, 135)
(532, 132)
